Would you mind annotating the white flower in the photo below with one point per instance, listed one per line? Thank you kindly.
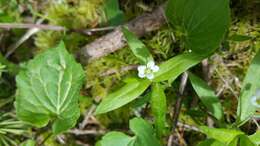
(147, 70)
(255, 100)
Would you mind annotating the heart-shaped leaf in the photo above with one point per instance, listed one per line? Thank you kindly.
(144, 136)
(202, 23)
(48, 90)
(144, 131)
(116, 139)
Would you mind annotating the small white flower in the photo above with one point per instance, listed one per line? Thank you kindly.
(255, 100)
(147, 70)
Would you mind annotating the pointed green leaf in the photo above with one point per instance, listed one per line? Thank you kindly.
(172, 68)
(224, 135)
(137, 47)
(48, 90)
(207, 96)
(123, 96)
(249, 88)
(144, 132)
(113, 13)
(245, 141)
(202, 23)
(159, 108)
(255, 137)
(211, 142)
(116, 139)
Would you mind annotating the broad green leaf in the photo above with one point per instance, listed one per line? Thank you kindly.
(123, 96)
(202, 23)
(211, 142)
(224, 135)
(249, 88)
(137, 47)
(207, 96)
(28, 143)
(48, 90)
(245, 141)
(159, 108)
(255, 137)
(144, 136)
(116, 139)
(113, 13)
(172, 68)
(144, 132)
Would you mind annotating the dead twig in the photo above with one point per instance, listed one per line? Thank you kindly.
(115, 40)
(30, 26)
(88, 114)
(87, 132)
(25, 37)
(121, 70)
(178, 103)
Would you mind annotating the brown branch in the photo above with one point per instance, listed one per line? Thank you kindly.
(115, 40)
(26, 26)
(121, 70)
(177, 106)
(178, 103)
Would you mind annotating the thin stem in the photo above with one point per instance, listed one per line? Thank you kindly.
(178, 103)
(45, 139)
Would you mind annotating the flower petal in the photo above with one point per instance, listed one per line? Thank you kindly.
(155, 68)
(254, 101)
(150, 76)
(141, 75)
(141, 68)
(150, 64)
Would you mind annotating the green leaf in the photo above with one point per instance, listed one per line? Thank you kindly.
(159, 108)
(48, 90)
(224, 135)
(123, 96)
(137, 47)
(202, 23)
(211, 142)
(113, 13)
(172, 68)
(255, 137)
(116, 139)
(207, 96)
(28, 143)
(249, 88)
(245, 141)
(144, 136)
(144, 132)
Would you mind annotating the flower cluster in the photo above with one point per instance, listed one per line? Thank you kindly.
(255, 100)
(147, 70)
